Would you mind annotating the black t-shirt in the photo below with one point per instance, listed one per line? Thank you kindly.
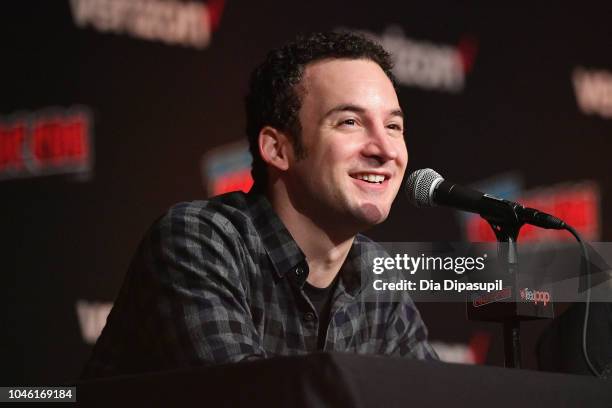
(321, 299)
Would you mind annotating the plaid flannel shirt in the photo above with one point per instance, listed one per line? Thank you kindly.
(221, 281)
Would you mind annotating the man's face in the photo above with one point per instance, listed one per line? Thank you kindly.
(352, 130)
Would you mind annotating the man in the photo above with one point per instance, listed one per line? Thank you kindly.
(278, 271)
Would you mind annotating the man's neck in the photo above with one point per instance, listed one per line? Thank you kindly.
(325, 249)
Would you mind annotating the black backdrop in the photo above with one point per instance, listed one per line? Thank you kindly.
(158, 108)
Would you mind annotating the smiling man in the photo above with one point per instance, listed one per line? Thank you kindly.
(279, 271)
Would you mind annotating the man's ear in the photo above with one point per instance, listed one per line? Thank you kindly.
(274, 147)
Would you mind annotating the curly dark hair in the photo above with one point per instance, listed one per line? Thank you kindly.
(273, 98)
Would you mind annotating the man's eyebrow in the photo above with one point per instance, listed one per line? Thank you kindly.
(344, 108)
(358, 109)
(397, 112)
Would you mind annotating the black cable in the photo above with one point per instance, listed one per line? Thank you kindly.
(585, 324)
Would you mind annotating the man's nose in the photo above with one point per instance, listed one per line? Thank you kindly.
(381, 145)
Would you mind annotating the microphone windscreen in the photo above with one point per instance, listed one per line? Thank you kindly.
(420, 186)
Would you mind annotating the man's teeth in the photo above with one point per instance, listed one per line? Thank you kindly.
(371, 178)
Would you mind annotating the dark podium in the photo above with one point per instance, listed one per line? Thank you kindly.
(347, 380)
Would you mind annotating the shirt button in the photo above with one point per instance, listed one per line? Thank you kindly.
(299, 271)
(309, 316)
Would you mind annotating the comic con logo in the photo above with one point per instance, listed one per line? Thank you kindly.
(535, 296)
(51, 141)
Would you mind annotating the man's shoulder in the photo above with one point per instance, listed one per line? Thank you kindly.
(226, 219)
(228, 203)
(218, 231)
(227, 209)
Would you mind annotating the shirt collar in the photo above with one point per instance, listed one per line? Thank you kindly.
(286, 256)
(356, 266)
(277, 241)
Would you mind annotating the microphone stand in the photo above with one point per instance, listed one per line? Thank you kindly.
(506, 225)
(506, 231)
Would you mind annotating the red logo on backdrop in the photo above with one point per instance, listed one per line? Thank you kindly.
(479, 346)
(474, 352)
(53, 141)
(535, 296)
(227, 168)
(576, 204)
(487, 298)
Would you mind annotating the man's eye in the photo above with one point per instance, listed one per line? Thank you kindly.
(349, 122)
(395, 126)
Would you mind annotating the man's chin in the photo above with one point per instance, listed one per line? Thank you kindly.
(372, 215)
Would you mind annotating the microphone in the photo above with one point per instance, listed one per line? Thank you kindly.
(427, 188)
